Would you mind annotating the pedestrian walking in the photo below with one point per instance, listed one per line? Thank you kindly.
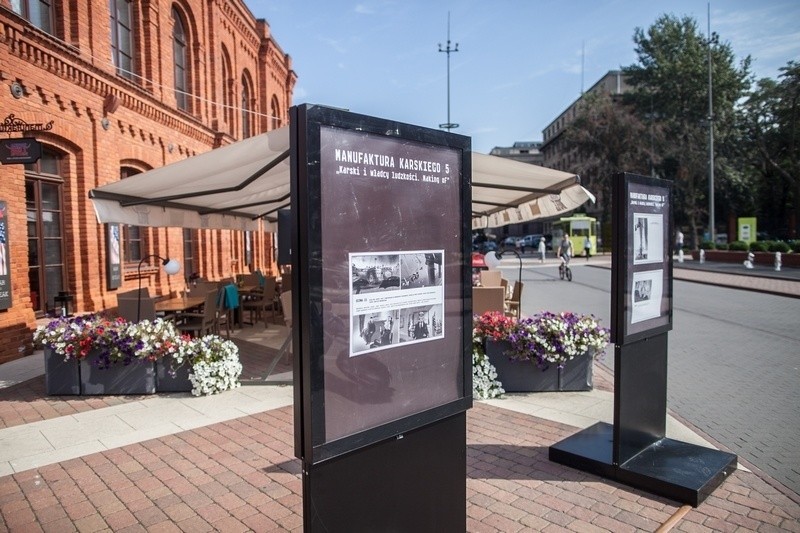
(587, 247)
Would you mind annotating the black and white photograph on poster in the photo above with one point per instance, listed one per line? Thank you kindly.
(377, 294)
(375, 273)
(646, 295)
(374, 331)
(421, 323)
(420, 270)
(648, 238)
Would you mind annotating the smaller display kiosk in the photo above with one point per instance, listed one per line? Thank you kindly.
(635, 450)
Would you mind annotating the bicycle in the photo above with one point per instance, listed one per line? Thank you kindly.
(564, 270)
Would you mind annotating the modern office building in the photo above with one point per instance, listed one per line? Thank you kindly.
(107, 90)
(522, 151)
(555, 154)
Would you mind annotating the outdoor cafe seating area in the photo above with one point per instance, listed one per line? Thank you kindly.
(211, 307)
(492, 292)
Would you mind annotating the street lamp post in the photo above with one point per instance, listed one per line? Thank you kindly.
(448, 125)
(710, 138)
(171, 267)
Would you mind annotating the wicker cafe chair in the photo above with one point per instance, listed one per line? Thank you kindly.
(127, 308)
(259, 303)
(227, 302)
(487, 299)
(513, 303)
(491, 278)
(199, 324)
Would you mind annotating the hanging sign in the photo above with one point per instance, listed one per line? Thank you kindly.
(12, 124)
(5, 266)
(19, 151)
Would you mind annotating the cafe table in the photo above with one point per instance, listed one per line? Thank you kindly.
(179, 304)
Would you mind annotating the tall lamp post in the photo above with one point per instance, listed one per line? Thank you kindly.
(710, 137)
(170, 266)
(448, 125)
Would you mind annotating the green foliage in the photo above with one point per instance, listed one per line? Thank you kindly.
(758, 246)
(722, 246)
(738, 246)
(708, 245)
(796, 246)
(779, 246)
(771, 120)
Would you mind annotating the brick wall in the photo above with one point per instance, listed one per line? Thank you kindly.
(66, 78)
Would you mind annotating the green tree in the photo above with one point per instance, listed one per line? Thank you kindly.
(771, 117)
(606, 137)
(670, 83)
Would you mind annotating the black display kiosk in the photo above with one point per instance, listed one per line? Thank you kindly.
(382, 319)
(635, 450)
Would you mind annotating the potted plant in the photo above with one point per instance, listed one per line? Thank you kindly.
(546, 352)
(94, 354)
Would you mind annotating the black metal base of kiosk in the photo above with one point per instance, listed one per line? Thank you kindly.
(417, 483)
(676, 470)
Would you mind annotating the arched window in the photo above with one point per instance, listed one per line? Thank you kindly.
(132, 236)
(45, 212)
(181, 59)
(275, 113)
(246, 114)
(122, 37)
(227, 91)
(40, 13)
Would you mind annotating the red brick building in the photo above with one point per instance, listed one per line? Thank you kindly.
(111, 89)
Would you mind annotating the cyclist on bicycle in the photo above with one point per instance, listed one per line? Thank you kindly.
(564, 249)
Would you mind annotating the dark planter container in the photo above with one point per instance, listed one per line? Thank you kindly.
(166, 382)
(525, 376)
(135, 378)
(760, 258)
(61, 377)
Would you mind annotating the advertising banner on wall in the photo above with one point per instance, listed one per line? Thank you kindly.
(114, 262)
(387, 241)
(5, 260)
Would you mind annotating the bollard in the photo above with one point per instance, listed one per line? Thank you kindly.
(778, 262)
(702, 256)
(748, 263)
(680, 255)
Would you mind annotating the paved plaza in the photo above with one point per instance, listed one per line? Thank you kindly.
(172, 462)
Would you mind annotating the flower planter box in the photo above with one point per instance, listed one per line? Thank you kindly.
(61, 377)
(135, 378)
(525, 376)
(166, 382)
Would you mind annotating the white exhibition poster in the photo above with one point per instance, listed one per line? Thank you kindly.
(646, 295)
(648, 238)
(395, 297)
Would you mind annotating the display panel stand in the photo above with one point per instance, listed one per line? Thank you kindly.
(411, 484)
(635, 450)
(381, 307)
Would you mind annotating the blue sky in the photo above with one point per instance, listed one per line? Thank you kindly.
(519, 64)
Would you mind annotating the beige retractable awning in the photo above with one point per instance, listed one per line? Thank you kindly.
(234, 186)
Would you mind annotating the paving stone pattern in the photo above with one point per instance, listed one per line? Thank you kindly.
(241, 475)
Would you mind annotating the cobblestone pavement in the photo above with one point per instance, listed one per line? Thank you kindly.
(241, 475)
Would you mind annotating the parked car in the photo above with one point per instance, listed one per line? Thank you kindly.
(488, 246)
(510, 241)
(531, 241)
